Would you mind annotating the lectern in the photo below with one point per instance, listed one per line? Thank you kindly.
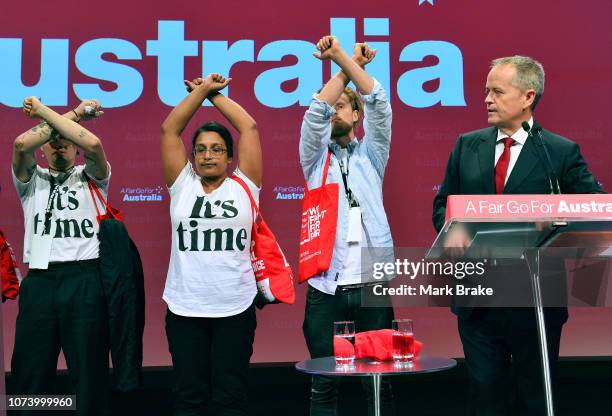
(529, 229)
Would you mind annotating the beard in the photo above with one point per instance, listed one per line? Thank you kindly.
(340, 129)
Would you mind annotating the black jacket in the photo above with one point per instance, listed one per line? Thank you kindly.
(123, 282)
(470, 171)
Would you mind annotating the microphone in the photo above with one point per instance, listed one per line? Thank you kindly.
(551, 171)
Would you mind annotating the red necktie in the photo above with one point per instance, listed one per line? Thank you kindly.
(501, 169)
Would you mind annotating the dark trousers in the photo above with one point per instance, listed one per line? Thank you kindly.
(321, 312)
(496, 344)
(63, 308)
(210, 358)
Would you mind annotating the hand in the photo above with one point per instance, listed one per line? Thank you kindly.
(191, 85)
(217, 82)
(362, 54)
(88, 109)
(213, 82)
(457, 241)
(328, 47)
(32, 107)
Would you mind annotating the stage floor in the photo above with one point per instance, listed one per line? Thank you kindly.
(584, 389)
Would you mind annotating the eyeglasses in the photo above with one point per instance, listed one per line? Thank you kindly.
(215, 151)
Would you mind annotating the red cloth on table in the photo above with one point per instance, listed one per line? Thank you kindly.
(371, 344)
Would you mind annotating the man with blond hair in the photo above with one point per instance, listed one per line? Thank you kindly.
(358, 166)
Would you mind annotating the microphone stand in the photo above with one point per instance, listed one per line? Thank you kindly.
(533, 260)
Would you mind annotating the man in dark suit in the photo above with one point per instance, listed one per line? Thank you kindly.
(505, 159)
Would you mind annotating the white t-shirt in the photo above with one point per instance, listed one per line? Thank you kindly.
(74, 227)
(210, 272)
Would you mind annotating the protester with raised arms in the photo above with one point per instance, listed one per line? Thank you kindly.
(210, 286)
(61, 303)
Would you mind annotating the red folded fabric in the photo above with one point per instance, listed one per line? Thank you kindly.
(379, 345)
(343, 348)
(371, 344)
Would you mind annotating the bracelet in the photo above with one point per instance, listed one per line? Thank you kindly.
(78, 119)
(212, 94)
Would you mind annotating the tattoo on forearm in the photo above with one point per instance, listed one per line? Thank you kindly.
(82, 134)
(41, 126)
(45, 133)
(43, 130)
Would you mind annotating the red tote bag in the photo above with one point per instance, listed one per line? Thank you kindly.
(319, 217)
(273, 274)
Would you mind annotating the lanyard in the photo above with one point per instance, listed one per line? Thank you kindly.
(48, 212)
(349, 194)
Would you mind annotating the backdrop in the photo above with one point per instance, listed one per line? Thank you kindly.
(433, 57)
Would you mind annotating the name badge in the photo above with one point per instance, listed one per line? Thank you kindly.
(354, 226)
(40, 251)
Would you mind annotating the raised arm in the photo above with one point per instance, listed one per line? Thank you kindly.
(378, 115)
(316, 127)
(173, 152)
(96, 164)
(69, 129)
(329, 48)
(26, 144)
(249, 148)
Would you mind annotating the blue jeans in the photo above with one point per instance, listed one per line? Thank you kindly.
(321, 312)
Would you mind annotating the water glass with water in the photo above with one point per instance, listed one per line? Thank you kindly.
(403, 341)
(344, 343)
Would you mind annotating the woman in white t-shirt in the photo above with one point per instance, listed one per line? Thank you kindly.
(61, 302)
(210, 287)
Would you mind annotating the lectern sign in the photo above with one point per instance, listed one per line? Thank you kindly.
(525, 207)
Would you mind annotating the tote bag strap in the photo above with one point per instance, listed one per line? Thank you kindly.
(248, 191)
(325, 170)
(93, 187)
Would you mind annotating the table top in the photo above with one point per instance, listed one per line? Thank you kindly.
(364, 367)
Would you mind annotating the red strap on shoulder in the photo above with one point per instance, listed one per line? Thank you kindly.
(93, 198)
(94, 188)
(325, 170)
(248, 191)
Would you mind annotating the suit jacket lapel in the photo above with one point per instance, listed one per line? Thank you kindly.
(526, 162)
(486, 157)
